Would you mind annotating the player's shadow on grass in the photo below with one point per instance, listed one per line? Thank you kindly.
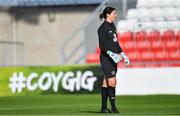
(97, 113)
(91, 112)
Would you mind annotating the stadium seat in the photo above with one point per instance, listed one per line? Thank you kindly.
(178, 40)
(143, 46)
(177, 35)
(133, 56)
(131, 25)
(92, 58)
(173, 25)
(132, 14)
(157, 14)
(174, 55)
(174, 3)
(178, 10)
(170, 13)
(142, 3)
(148, 26)
(124, 37)
(168, 35)
(165, 3)
(98, 50)
(177, 64)
(161, 26)
(128, 46)
(178, 43)
(144, 14)
(171, 45)
(121, 26)
(147, 56)
(154, 35)
(157, 45)
(138, 27)
(161, 56)
(140, 36)
(153, 3)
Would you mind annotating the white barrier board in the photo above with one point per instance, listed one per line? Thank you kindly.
(145, 81)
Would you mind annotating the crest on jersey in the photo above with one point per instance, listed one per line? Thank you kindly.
(113, 72)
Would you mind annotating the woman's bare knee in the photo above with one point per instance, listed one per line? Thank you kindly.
(112, 82)
(104, 84)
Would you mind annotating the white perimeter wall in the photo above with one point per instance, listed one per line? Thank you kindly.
(145, 81)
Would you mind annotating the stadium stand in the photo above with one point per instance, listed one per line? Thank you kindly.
(152, 37)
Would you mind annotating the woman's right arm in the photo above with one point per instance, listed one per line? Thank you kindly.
(103, 45)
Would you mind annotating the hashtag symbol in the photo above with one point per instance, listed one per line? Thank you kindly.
(17, 82)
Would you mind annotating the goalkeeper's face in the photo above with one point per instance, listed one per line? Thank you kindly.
(112, 16)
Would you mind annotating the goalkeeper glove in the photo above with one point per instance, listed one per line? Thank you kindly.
(116, 58)
(126, 59)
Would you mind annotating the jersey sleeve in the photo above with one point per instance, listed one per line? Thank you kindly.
(102, 40)
(119, 49)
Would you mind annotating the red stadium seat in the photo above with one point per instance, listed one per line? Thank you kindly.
(141, 36)
(128, 46)
(176, 64)
(154, 35)
(143, 46)
(126, 36)
(161, 56)
(177, 35)
(93, 58)
(171, 45)
(134, 60)
(174, 55)
(98, 50)
(133, 56)
(147, 56)
(168, 35)
(157, 45)
(178, 39)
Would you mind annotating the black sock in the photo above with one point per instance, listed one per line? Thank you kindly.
(111, 93)
(104, 95)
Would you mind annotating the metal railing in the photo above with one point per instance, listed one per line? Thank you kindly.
(79, 50)
(11, 53)
(84, 39)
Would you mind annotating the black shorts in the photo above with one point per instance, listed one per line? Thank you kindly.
(109, 67)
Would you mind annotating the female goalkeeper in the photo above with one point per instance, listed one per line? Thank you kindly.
(111, 54)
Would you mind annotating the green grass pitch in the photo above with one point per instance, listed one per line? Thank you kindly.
(88, 105)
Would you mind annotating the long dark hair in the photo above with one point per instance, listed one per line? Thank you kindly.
(107, 10)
